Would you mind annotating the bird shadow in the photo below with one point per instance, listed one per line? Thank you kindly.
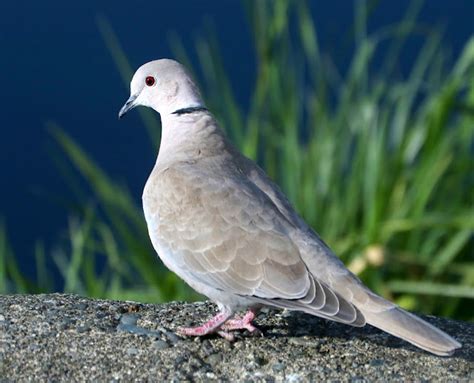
(298, 324)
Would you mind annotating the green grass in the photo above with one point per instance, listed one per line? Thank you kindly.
(384, 173)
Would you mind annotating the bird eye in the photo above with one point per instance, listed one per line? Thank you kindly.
(150, 81)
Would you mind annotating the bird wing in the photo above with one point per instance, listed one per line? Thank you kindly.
(228, 234)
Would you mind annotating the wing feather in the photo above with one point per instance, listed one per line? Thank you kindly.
(228, 236)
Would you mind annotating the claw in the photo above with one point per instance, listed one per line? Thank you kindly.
(211, 326)
(227, 336)
(244, 323)
(221, 324)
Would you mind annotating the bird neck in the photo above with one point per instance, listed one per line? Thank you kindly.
(188, 134)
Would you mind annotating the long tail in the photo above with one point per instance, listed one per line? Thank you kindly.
(409, 327)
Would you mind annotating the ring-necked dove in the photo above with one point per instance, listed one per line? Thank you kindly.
(218, 221)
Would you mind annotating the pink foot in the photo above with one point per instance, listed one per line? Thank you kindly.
(226, 335)
(221, 324)
(211, 326)
(244, 323)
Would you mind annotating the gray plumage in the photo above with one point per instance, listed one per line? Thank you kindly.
(218, 221)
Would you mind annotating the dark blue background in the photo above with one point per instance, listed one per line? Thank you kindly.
(54, 66)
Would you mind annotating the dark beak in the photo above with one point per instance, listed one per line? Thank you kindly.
(129, 105)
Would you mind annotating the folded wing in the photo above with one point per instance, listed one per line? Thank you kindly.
(229, 235)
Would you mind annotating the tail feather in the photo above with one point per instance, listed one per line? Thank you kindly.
(409, 327)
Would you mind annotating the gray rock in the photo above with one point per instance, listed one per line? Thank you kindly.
(172, 337)
(132, 351)
(83, 328)
(59, 337)
(161, 345)
(277, 367)
(214, 359)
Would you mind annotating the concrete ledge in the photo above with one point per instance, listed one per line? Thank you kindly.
(66, 337)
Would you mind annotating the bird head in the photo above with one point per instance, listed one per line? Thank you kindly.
(163, 85)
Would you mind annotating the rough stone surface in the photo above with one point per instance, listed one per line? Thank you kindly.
(69, 338)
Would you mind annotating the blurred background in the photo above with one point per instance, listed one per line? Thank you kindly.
(363, 112)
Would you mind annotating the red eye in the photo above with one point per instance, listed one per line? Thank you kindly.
(150, 81)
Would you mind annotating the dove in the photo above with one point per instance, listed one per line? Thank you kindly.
(222, 225)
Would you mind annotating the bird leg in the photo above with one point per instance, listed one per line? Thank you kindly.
(221, 324)
(243, 323)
